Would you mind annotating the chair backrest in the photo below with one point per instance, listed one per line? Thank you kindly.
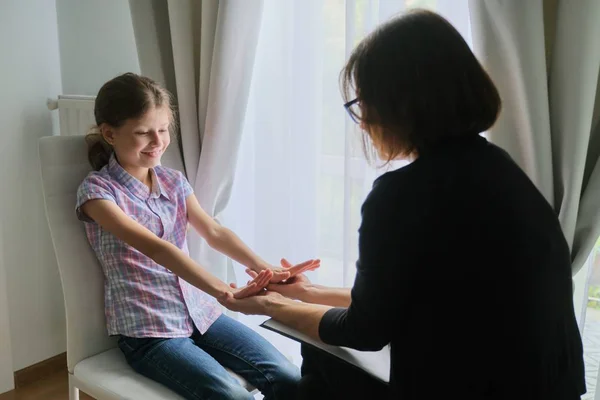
(64, 165)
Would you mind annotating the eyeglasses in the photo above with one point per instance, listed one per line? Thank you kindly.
(353, 109)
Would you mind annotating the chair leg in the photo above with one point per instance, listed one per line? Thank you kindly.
(73, 390)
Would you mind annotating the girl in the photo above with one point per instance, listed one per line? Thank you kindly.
(158, 300)
(463, 267)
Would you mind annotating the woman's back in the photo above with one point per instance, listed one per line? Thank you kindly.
(486, 309)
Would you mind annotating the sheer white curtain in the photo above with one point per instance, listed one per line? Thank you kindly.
(301, 175)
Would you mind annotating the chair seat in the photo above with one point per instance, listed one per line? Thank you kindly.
(108, 376)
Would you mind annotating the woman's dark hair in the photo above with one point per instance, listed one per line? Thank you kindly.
(124, 97)
(417, 82)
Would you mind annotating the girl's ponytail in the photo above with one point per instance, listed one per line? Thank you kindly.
(99, 150)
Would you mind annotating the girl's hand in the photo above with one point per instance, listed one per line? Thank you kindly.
(255, 286)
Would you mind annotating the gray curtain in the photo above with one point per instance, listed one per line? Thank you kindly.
(203, 52)
(545, 58)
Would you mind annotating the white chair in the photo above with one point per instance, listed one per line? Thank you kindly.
(95, 364)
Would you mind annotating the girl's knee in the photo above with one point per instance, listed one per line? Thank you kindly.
(290, 374)
(286, 381)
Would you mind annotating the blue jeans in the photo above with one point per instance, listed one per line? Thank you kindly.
(193, 367)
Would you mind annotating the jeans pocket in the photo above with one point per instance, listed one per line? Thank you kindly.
(136, 348)
(125, 345)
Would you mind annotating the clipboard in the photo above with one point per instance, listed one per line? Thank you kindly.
(375, 363)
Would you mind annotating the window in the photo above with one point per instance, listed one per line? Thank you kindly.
(591, 328)
(301, 175)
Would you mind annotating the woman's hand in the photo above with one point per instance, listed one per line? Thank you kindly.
(255, 286)
(294, 287)
(253, 305)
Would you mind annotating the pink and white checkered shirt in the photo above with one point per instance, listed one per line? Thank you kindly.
(142, 298)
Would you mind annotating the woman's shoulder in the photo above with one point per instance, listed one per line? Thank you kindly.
(392, 177)
(390, 182)
(390, 191)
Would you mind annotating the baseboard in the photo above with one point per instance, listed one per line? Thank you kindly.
(40, 370)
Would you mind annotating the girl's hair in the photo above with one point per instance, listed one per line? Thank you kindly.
(124, 97)
(418, 83)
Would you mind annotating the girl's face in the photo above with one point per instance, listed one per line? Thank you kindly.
(140, 143)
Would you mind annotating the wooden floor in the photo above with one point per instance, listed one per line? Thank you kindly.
(53, 387)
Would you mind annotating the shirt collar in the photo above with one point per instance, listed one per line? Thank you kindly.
(133, 184)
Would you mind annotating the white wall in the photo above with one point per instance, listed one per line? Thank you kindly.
(6, 367)
(96, 43)
(29, 74)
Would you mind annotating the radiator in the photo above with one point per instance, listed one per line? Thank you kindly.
(75, 113)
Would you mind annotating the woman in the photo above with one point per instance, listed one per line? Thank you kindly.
(463, 268)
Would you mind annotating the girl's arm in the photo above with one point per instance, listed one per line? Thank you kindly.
(227, 242)
(221, 238)
(111, 218)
